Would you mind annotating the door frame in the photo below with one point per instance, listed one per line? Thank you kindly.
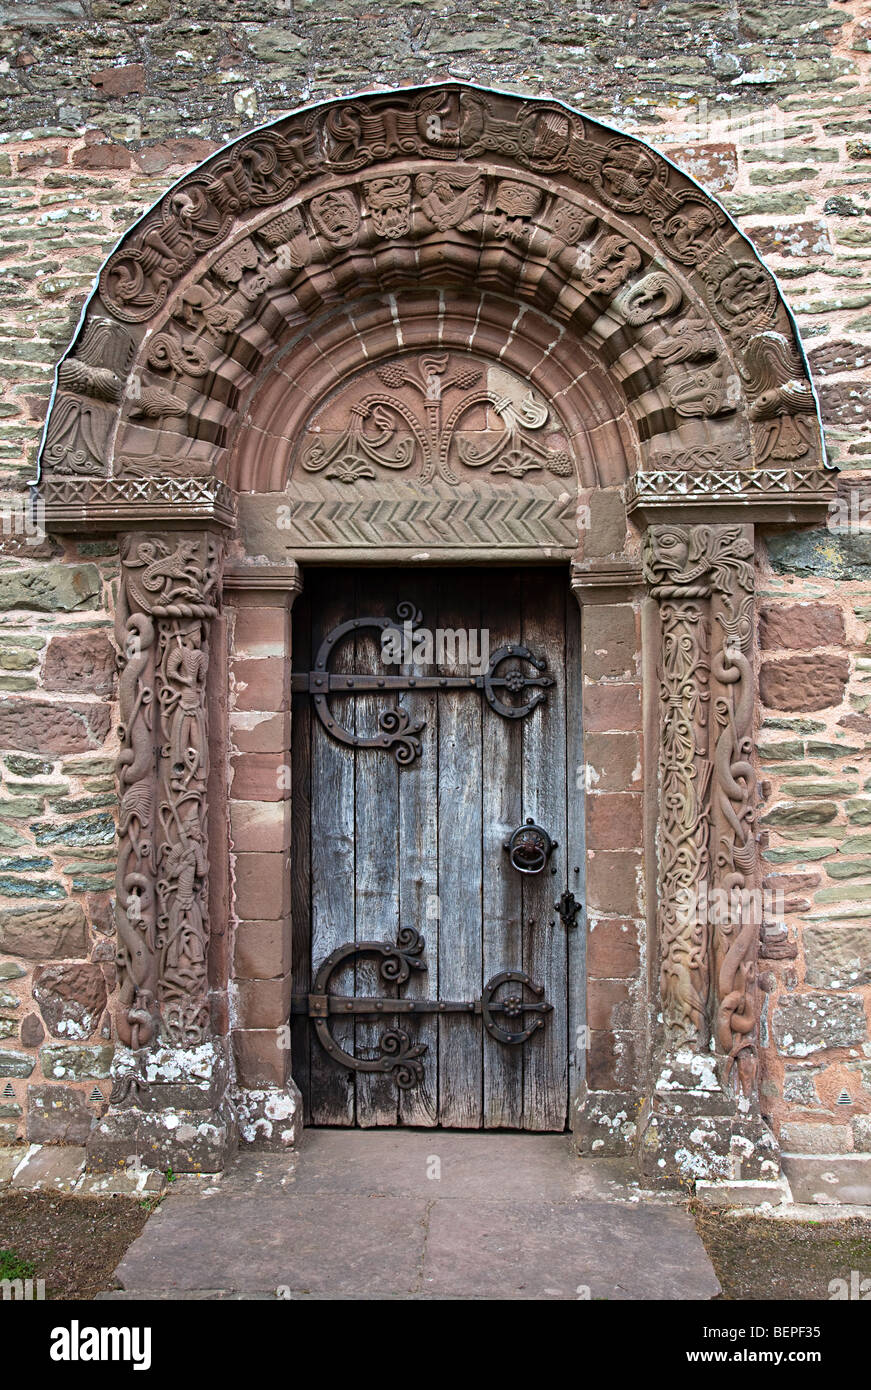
(610, 1049)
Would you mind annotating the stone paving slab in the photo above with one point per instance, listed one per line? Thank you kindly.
(354, 1215)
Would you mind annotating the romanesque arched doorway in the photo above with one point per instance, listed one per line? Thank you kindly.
(441, 327)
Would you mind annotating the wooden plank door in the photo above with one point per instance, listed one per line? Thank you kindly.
(378, 846)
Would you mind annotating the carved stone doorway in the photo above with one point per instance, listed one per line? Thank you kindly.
(443, 326)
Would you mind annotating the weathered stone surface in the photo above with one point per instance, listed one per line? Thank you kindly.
(89, 831)
(842, 355)
(72, 998)
(845, 402)
(800, 814)
(32, 1031)
(50, 1169)
(794, 239)
(807, 1023)
(822, 553)
(800, 625)
(609, 642)
(715, 166)
(76, 1063)
(44, 933)
(50, 588)
(832, 1179)
(270, 1119)
(57, 1115)
(120, 81)
(804, 682)
(815, 1138)
(80, 662)
(59, 727)
(15, 1063)
(837, 957)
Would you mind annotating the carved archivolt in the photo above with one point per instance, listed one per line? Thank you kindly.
(381, 194)
(709, 915)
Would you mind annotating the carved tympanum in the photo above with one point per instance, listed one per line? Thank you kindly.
(431, 415)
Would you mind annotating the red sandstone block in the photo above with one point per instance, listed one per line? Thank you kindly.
(613, 821)
(262, 1056)
(266, 735)
(613, 882)
(803, 683)
(609, 1004)
(264, 1003)
(612, 707)
(801, 625)
(259, 825)
(613, 762)
(260, 684)
(260, 633)
(613, 949)
(120, 81)
(262, 886)
(260, 777)
(262, 949)
(611, 1061)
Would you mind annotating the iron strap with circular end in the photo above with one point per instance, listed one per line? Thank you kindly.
(395, 729)
(396, 1053)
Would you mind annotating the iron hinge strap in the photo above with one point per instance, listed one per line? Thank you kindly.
(321, 1005)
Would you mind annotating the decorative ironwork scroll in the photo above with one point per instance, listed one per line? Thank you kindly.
(396, 731)
(397, 1055)
(167, 597)
(709, 914)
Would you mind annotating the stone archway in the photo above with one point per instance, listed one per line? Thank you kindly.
(647, 402)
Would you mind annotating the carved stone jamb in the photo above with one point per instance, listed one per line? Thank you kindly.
(167, 1104)
(703, 1119)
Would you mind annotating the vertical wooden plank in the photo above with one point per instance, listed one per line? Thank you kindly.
(575, 850)
(300, 858)
(418, 859)
(377, 848)
(544, 796)
(460, 938)
(501, 885)
(332, 858)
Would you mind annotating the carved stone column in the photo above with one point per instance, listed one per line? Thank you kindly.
(702, 1120)
(170, 1072)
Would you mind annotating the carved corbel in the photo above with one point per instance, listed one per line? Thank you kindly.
(709, 912)
(168, 595)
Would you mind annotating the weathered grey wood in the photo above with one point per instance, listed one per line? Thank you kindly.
(300, 855)
(422, 846)
(419, 902)
(502, 807)
(544, 797)
(376, 851)
(460, 962)
(332, 858)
